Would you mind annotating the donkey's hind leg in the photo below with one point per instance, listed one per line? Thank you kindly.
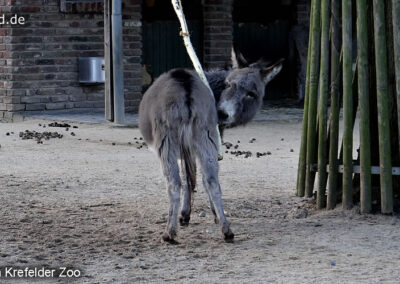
(212, 206)
(169, 161)
(207, 153)
(189, 183)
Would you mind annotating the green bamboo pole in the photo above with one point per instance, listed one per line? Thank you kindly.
(385, 160)
(312, 107)
(396, 45)
(347, 199)
(363, 97)
(301, 174)
(335, 106)
(323, 104)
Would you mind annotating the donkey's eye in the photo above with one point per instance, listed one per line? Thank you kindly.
(251, 95)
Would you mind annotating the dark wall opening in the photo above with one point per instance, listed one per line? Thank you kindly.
(261, 30)
(163, 47)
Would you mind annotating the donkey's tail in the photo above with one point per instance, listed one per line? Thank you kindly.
(188, 159)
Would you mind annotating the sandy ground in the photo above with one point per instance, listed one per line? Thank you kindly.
(81, 201)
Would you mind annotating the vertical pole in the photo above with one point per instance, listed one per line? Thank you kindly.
(383, 107)
(301, 174)
(363, 97)
(322, 106)
(117, 62)
(396, 45)
(108, 88)
(312, 107)
(335, 106)
(347, 106)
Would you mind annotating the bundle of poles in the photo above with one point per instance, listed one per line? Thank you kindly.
(365, 80)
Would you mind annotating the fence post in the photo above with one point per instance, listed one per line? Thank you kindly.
(312, 107)
(363, 96)
(383, 107)
(335, 106)
(301, 174)
(322, 106)
(396, 47)
(347, 106)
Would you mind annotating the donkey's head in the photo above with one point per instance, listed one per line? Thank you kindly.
(244, 92)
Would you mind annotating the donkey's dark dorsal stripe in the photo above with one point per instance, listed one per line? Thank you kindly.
(183, 77)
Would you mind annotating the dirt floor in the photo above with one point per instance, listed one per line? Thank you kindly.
(96, 202)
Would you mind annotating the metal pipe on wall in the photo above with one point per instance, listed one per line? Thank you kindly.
(117, 61)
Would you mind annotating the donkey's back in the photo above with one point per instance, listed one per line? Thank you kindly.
(178, 119)
(177, 99)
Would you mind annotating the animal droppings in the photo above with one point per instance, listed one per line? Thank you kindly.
(259, 154)
(72, 134)
(228, 145)
(57, 124)
(246, 154)
(39, 136)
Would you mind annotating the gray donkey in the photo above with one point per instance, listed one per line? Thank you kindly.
(178, 118)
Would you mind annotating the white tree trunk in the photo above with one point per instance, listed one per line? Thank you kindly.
(195, 60)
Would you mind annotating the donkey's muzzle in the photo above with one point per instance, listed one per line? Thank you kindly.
(222, 115)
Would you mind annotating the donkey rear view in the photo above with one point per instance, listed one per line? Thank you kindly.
(178, 119)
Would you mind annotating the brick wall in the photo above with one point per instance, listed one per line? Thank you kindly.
(132, 38)
(39, 60)
(218, 33)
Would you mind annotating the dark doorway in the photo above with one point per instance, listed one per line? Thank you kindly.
(163, 48)
(261, 30)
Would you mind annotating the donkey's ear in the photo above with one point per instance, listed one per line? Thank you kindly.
(238, 60)
(271, 71)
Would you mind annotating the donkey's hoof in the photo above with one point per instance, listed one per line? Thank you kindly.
(184, 221)
(229, 236)
(168, 239)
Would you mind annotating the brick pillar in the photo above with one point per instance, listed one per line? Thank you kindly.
(218, 33)
(132, 16)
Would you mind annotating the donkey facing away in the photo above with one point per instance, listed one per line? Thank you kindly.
(178, 119)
